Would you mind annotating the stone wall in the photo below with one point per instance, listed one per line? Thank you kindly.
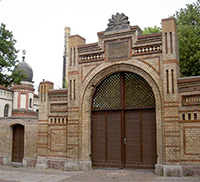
(189, 110)
(30, 139)
(155, 58)
(64, 137)
(53, 121)
(57, 128)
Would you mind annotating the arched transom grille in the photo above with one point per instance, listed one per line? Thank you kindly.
(123, 90)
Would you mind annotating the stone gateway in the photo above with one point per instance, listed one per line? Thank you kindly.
(125, 105)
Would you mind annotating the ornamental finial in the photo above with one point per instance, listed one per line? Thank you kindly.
(118, 22)
(23, 57)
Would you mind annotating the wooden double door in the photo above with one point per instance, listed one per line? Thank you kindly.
(123, 124)
(124, 139)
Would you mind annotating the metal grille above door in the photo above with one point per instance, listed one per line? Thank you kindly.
(123, 123)
(138, 92)
(108, 93)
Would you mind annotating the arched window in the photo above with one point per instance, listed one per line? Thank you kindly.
(37, 111)
(6, 109)
(30, 103)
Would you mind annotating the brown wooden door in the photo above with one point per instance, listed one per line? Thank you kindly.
(106, 139)
(133, 138)
(123, 123)
(140, 134)
(128, 142)
(18, 143)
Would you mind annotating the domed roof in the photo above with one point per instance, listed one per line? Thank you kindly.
(28, 70)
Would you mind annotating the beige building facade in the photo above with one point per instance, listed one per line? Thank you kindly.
(125, 106)
(19, 121)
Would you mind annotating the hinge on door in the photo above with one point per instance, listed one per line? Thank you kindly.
(124, 141)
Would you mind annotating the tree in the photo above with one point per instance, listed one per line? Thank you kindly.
(188, 22)
(150, 30)
(8, 56)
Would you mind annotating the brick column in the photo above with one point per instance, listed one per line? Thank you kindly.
(171, 74)
(42, 149)
(73, 134)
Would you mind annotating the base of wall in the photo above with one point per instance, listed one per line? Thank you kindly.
(41, 163)
(191, 170)
(29, 162)
(177, 170)
(78, 166)
(16, 164)
(85, 165)
(173, 170)
(159, 169)
(72, 166)
(62, 164)
(4, 160)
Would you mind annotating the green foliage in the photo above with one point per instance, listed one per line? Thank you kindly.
(150, 30)
(188, 22)
(8, 59)
(65, 83)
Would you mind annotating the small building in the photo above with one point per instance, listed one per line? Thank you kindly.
(19, 120)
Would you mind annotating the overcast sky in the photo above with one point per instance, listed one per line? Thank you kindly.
(38, 26)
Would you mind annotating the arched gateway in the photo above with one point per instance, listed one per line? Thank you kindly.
(126, 105)
(123, 122)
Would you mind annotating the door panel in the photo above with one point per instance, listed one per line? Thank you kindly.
(132, 135)
(149, 137)
(140, 133)
(114, 137)
(106, 139)
(98, 137)
(18, 143)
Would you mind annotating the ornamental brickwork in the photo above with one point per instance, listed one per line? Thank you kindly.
(77, 122)
(153, 57)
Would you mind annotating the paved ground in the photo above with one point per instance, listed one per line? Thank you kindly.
(10, 174)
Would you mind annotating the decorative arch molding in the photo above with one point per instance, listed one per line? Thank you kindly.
(111, 67)
(95, 78)
(17, 123)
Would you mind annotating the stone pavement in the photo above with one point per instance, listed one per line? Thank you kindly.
(10, 174)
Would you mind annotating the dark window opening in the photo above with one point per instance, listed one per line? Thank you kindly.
(183, 116)
(6, 109)
(189, 116)
(30, 103)
(195, 116)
